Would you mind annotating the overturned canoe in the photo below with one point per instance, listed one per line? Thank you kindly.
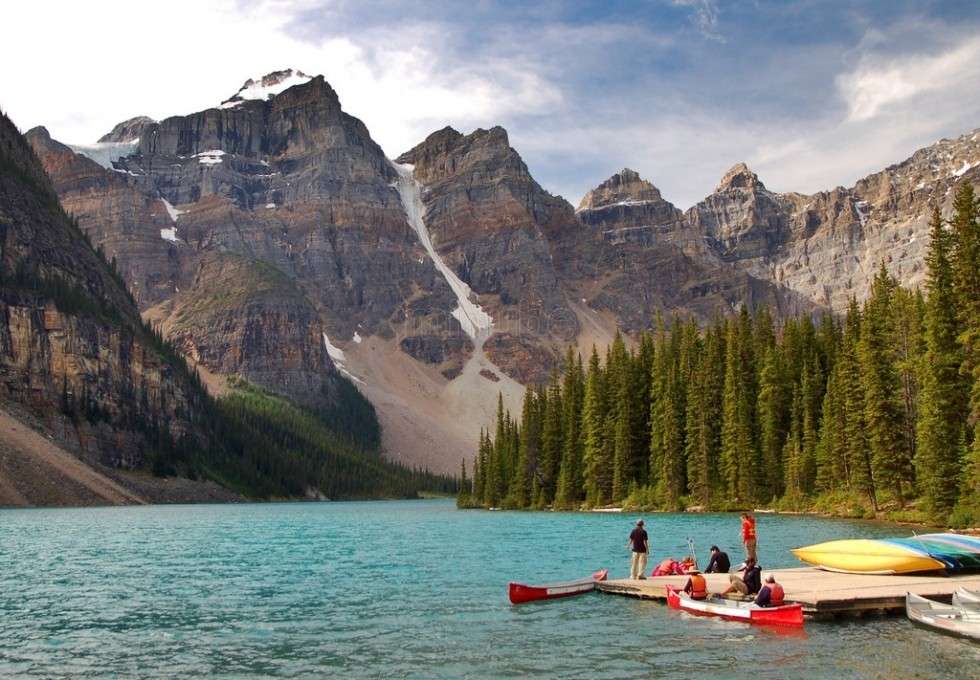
(944, 618)
(929, 552)
(733, 610)
(520, 592)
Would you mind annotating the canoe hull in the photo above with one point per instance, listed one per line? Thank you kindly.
(967, 599)
(520, 593)
(862, 556)
(786, 615)
(943, 618)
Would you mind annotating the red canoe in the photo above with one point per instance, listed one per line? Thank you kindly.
(523, 593)
(733, 610)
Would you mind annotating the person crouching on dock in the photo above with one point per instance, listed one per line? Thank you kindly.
(639, 543)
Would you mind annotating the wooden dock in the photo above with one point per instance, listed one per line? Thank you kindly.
(823, 593)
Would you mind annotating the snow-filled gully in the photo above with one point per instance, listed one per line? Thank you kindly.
(476, 323)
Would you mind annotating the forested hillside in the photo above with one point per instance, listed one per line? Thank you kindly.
(870, 412)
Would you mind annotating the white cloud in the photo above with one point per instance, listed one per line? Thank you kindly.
(879, 82)
(704, 16)
(580, 100)
(107, 61)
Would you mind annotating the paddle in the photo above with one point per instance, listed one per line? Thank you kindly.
(694, 555)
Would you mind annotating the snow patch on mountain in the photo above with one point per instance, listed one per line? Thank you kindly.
(169, 234)
(105, 153)
(171, 210)
(212, 157)
(474, 321)
(266, 87)
(963, 169)
(339, 359)
(862, 209)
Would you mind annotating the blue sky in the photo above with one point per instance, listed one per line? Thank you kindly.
(810, 94)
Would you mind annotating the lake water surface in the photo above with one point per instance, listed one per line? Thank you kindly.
(401, 589)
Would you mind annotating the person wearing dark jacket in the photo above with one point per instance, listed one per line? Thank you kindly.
(749, 583)
(719, 563)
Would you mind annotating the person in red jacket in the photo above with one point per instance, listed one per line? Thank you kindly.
(748, 537)
(771, 595)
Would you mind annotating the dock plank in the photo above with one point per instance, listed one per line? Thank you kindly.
(820, 592)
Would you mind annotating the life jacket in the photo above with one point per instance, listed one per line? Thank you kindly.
(699, 587)
(776, 595)
(748, 529)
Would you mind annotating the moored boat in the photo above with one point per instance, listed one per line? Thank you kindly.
(926, 553)
(967, 599)
(733, 610)
(520, 592)
(944, 618)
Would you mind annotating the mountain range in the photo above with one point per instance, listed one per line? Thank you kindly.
(271, 240)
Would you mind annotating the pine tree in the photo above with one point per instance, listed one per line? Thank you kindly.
(622, 456)
(597, 464)
(810, 395)
(965, 264)
(861, 472)
(551, 440)
(569, 491)
(882, 409)
(729, 463)
(943, 402)
(773, 402)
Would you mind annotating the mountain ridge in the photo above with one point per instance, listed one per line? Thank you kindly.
(289, 180)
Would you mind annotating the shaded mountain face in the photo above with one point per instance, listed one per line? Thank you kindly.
(73, 353)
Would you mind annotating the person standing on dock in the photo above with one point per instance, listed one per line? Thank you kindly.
(748, 537)
(640, 545)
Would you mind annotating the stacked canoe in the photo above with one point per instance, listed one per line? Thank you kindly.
(950, 553)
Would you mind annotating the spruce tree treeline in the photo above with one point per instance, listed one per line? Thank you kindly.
(876, 409)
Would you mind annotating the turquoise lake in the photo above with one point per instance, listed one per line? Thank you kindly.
(401, 589)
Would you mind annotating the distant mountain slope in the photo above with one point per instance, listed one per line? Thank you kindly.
(827, 246)
(79, 366)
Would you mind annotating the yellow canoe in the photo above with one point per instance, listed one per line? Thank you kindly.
(864, 556)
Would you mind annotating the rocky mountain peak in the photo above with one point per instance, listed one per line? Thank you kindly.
(128, 130)
(267, 86)
(439, 142)
(739, 177)
(626, 187)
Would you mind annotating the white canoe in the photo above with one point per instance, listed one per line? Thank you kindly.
(944, 618)
(967, 599)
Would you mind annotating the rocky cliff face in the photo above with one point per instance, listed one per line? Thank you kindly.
(641, 257)
(271, 238)
(279, 181)
(73, 353)
(120, 218)
(490, 222)
(826, 246)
